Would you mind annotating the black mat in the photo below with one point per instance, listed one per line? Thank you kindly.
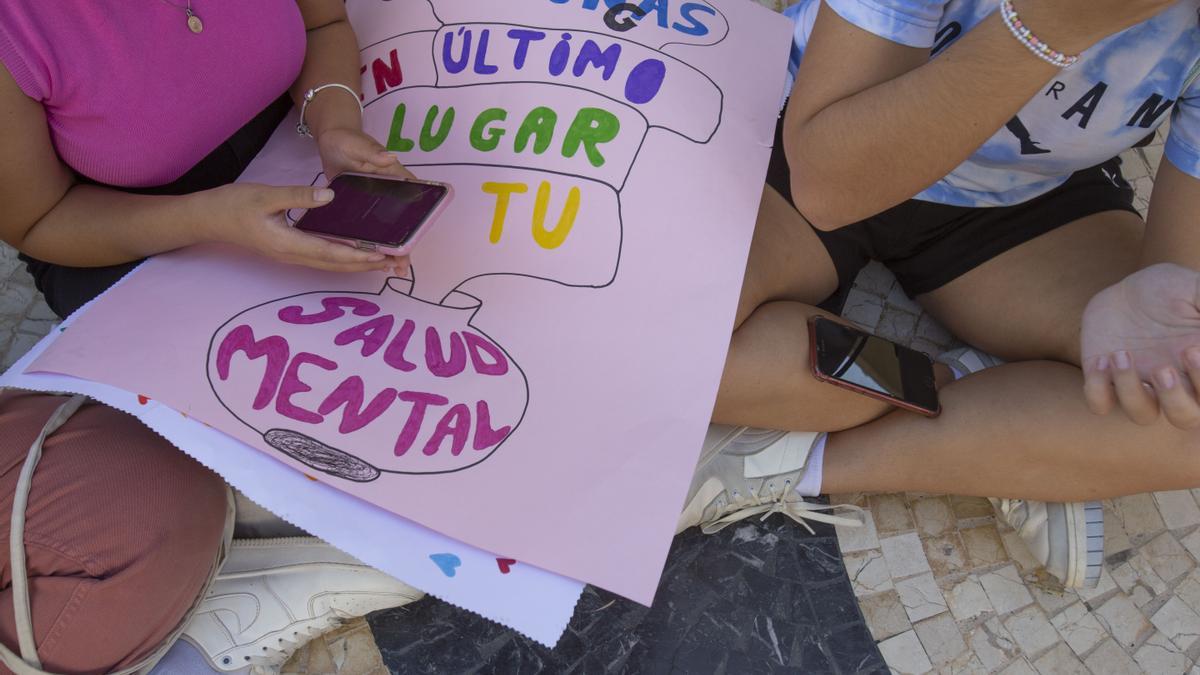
(758, 597)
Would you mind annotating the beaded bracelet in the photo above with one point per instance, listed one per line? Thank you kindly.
(302, 127)
(1032, 43)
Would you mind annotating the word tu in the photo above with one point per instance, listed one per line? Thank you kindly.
(590, 128)
(642, 84)
(547, 239)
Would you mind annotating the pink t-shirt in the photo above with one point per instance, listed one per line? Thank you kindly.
(134, 98)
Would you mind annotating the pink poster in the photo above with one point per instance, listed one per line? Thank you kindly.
(540, 386)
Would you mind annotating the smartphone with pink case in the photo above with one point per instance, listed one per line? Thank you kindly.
(377, 213)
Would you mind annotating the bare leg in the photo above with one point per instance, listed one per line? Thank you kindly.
(767, 381)
(1023, 429)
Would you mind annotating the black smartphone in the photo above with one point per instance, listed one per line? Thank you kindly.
(377, 213)
(856, 360)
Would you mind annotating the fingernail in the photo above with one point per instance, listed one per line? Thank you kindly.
(1122, 360)
(1193, 357)
(376, 257)
(323, 195)
(1165, 378)
(1102, 364)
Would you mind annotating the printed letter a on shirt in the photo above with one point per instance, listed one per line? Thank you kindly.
(1087, 105)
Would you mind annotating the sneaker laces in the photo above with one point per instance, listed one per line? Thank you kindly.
(795, 508)
(272, 658)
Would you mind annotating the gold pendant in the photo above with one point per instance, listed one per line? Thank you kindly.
(194, 22)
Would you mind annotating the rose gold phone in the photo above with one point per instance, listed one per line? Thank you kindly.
(863, 363)
(377, 213)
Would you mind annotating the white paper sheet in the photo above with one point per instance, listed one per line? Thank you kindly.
(529, 600)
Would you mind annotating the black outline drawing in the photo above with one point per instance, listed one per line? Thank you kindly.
(437, 83)
(334, 461)
(664, 45)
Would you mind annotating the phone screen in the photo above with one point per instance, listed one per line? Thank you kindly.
(882, 366)
(380, 210)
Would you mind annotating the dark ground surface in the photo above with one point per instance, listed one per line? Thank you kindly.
(758, 597)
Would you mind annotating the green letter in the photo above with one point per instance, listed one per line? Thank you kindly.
(489, 142)
(396, 140)
(592, 126)
(429, 140)
(539, 122)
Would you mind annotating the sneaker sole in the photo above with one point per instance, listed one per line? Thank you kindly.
(1085, 527)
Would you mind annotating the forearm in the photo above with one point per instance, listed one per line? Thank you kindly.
(874, 149)
(331, 57)
(94, 227)
(1172, 235)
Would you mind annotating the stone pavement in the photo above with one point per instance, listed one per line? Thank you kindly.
(943, 586)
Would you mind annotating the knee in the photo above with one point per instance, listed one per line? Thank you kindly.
(161, 506)
(182, 513)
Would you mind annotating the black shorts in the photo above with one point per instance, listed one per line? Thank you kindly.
(928, 245)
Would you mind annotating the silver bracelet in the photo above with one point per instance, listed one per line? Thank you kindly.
(302, 127)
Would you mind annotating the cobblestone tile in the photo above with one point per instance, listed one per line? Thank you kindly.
(884, 614)
(1109, 659)
(891, 513)
(1060, 661)
(984, 547)
(992, 643)
(1005, 589)
(1159, 655)
(904, 554)
(971, 507)
(1178, 622)
(1100, 592)
(864, 310)
(946, 554)
(852, 539)
(868, 572)
(921, 597)
(1032, 631)
(905, 654)
(934, 516)
(1166, 557)
(1052, 600)
(1139, 514)
(967, 600)
(1019, 667)
(942, 641)
(1123, 621)
(1079, 629)
(1178, 509)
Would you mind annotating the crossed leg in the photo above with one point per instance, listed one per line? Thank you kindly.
(1018, 430)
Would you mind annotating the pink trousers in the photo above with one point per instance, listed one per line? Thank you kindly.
(122, 532)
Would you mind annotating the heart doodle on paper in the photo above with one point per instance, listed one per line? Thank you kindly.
(505, 564)
(447, 562)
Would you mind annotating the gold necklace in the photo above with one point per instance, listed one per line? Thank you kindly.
(193, 22)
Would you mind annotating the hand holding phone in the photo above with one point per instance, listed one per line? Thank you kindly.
(872, 366)
(381, 214)
(253, 216)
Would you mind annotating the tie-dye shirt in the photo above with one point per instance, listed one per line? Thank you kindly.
(1118, 93)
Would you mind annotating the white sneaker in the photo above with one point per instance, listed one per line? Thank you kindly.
(745, 472)
(273, 595)
(1067, 538)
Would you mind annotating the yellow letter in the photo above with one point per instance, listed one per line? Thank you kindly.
(503, 192)
(552, 239)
